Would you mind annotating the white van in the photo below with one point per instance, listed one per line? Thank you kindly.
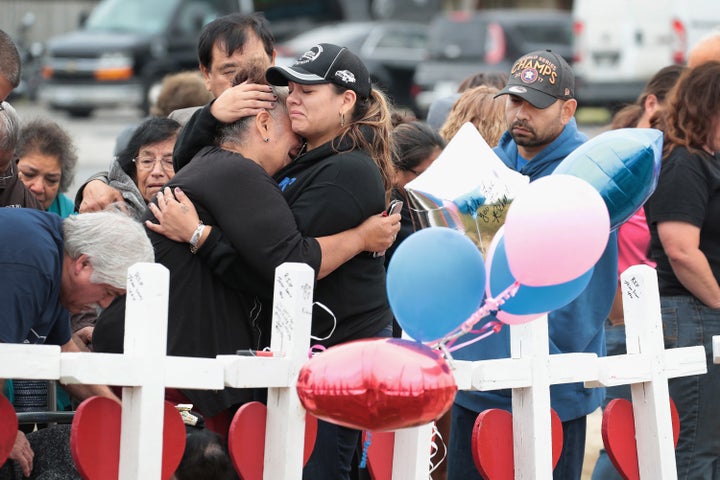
(620, 44)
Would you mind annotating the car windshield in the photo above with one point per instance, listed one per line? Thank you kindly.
(133, 16)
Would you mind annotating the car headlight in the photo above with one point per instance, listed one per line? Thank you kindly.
(114, 66)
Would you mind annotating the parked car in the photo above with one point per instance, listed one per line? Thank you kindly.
(461, 44)
(122, 50)
(391, 50)
(615, 55)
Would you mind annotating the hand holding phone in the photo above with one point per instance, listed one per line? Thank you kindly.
(394, 207)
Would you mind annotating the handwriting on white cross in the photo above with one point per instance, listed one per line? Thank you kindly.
(144, 370)
(290, 342)
(646, 367)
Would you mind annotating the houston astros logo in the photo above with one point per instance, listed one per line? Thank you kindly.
(529, 75)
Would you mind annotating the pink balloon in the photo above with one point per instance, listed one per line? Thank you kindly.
(555, 231)
(505, 317)
(512, 319)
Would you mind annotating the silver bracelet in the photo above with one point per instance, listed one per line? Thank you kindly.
(197, 234)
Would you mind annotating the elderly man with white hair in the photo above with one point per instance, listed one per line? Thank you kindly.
(53, 267)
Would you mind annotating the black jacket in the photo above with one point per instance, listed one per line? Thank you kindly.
(210, 315)
(329, 189)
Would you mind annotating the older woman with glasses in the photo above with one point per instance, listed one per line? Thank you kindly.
(143, 167)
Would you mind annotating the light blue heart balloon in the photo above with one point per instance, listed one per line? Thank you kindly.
(623, 165)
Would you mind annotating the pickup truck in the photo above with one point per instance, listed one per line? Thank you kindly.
(122, 50)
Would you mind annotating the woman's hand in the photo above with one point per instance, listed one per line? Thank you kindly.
(176, 215)
(97, 195)
(379, 232)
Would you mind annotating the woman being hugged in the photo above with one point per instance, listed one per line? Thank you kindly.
(342, 176)
(683, 217)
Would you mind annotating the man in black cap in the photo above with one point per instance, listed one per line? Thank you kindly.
(541, 132)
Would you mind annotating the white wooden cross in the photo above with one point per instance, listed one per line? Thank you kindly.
(529, 373)
(646, 367)
(290, 343)
(531, 370)
(144, 369)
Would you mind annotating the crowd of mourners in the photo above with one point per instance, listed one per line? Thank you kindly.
(244, 165)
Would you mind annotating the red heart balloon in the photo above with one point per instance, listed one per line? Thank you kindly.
(246, 440)
(377, 384)
(8, 428)
(492, 443)
(95, 439)
(618, 433)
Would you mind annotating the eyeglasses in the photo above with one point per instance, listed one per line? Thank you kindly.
(148, 163)
(415, 172)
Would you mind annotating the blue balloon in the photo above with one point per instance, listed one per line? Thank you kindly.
(623, 165)
(529, 300)
(435, 281)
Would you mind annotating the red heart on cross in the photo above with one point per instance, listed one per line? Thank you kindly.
(492, 443)
(246, 439)
(8, 428)
(618, 433)
(380, 454)
(95, 439)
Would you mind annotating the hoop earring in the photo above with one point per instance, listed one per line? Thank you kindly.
(342, 119)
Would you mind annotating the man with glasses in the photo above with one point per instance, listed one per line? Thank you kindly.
(226, 45)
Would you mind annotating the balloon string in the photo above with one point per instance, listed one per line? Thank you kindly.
(437, 440)
(492, 327)
(366, 447)
(492, 304)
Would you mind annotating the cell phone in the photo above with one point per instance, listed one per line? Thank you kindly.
(394, 207)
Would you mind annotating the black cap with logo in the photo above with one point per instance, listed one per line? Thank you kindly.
(325, 63)
(541, 77)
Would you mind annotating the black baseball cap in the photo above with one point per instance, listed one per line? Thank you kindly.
(540, 77)
(325, 63)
